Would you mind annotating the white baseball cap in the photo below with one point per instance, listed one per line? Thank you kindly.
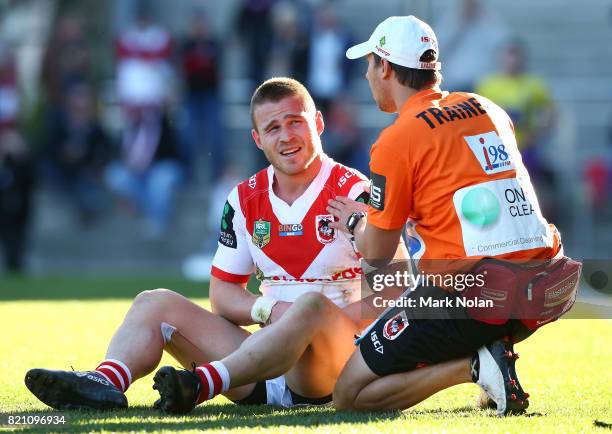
(400, 40)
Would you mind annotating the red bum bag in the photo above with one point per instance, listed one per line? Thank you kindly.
(536, 293)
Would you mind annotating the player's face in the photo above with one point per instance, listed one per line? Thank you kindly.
(378, 86)
(288, 132)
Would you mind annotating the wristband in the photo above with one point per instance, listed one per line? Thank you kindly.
(352, 221)
(262, 309)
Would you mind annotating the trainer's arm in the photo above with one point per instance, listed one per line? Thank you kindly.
(377, 246)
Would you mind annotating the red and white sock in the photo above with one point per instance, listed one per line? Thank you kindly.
(116, 372)
(215, 379)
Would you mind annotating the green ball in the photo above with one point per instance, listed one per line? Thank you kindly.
(480, 207)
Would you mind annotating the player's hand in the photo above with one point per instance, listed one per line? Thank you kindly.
(341, 208)
(278, 310)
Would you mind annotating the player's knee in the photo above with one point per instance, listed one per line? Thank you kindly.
(153, 300)
(313, 304)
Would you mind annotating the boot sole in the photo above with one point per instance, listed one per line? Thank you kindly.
(520, 403)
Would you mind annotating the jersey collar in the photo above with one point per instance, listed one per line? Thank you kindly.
(419, 97)
(295, 213)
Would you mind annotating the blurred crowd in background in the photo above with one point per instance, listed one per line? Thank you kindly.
(129, 120)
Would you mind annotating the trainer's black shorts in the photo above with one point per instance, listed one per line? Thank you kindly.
(405, 338)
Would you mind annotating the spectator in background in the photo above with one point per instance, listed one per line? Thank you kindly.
(328, 68)
(66, 62)
(16, 169)
(150, 170)
(290, 44)
(342, 137)
(254, 26)
(144, 72)
(527, 101)
(469, 36)
(151, 166)
(525, 97)
(200, 62)
(9, 92)
(77, 150)
(16, 185)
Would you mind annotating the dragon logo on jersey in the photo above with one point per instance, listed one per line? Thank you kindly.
(395, 326)
(325, 234)
(261, 233)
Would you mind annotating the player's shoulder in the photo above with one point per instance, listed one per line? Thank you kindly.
(251, 190)
(342, 178)
(256, 183)
(339, 170)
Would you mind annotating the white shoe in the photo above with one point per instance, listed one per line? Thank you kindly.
(494, 371)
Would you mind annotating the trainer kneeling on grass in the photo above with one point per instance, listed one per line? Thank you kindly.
(450, 169)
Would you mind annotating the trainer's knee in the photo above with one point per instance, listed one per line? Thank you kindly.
(351, 383)
(344, 398)
(350, 399)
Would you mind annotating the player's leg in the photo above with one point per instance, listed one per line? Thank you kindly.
(311, 328)
(200, 336)
(310, 344)
(136, 349)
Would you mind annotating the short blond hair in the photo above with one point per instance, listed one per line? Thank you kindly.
(277, 88)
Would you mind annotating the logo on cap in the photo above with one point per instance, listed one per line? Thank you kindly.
(382, 41)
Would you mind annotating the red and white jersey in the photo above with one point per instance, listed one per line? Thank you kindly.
(143, 66)
(291, 248)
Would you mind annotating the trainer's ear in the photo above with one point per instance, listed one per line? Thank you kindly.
(255, 136)
(385, 69)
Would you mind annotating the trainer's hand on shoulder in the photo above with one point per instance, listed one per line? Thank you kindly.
(341, 208)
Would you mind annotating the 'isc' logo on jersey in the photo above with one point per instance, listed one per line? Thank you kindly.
(261, 233)
(325, 234)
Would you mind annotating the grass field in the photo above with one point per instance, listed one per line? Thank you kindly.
(62, 322)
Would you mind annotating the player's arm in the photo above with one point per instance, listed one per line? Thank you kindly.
(232, 301)
(232, 267)
(231, 270)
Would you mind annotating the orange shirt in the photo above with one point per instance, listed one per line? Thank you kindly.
(449, 167)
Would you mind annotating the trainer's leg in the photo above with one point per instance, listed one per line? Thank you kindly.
(200, 336)
(314, 335)
(358, 388)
